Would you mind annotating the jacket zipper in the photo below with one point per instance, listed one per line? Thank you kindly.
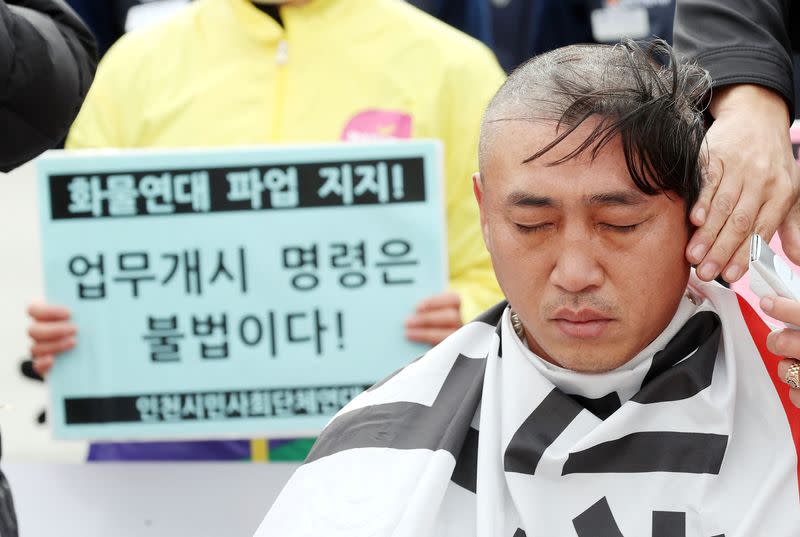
(259, 447)
(281, 60)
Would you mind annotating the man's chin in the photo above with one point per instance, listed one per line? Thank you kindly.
(590, 366)
(586, 356)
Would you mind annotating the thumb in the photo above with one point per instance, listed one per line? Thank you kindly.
(789, 232)
(43, 364)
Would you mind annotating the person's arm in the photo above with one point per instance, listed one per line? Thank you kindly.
(47, 62)
(751, 180)
(738, 41)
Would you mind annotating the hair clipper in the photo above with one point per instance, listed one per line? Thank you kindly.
(770, 274)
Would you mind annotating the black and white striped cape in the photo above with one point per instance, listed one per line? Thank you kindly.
(472, 440)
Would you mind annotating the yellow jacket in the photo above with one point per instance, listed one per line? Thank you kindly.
(221, 72)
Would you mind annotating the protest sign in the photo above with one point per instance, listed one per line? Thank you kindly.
(235, 291)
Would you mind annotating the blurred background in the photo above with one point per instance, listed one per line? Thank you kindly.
(514, 29)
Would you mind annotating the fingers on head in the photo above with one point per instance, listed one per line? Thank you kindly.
(790, 234)
(738, 264)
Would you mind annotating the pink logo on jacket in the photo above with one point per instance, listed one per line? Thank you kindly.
(373, 125)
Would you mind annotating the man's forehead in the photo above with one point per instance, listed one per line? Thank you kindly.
(600, 175)
(603, 180)
(510, 144)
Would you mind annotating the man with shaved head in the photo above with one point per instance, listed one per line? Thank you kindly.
(614, 393)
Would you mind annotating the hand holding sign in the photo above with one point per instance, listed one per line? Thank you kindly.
(434, 319)
(52, 333)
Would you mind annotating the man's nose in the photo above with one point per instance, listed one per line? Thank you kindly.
(577, 268)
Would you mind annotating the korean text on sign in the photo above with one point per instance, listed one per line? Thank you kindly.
(238, 291)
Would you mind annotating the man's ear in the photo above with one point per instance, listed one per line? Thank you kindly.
(477, 189)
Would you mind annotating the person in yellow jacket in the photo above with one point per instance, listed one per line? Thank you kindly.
(231, 72)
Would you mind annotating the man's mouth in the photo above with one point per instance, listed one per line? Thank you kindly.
(582, 324)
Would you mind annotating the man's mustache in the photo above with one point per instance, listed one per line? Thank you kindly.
(580, 301)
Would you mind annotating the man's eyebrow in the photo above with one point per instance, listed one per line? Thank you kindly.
(526, 199)
(619, 197)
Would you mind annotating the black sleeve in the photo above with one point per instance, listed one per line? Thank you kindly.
(739, 41)
(8, 517)
(47, 62)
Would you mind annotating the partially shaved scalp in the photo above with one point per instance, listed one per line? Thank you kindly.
(648, 98)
